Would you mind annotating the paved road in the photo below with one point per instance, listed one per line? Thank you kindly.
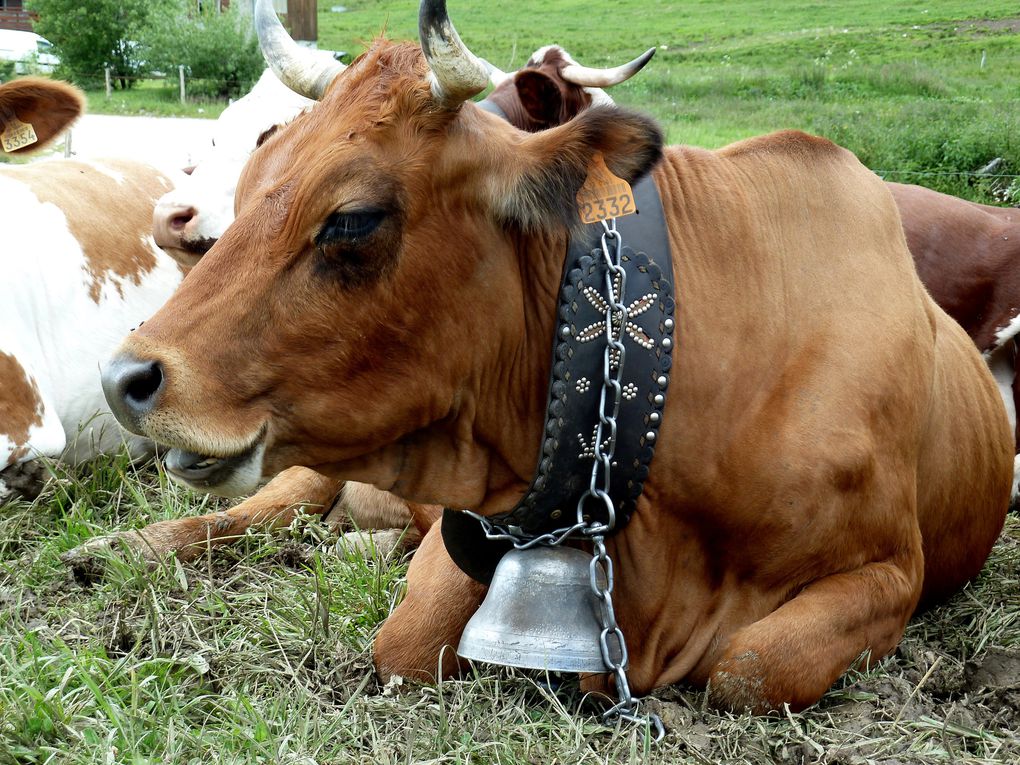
(171, 142)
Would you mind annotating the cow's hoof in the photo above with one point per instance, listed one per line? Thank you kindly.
(377, 544)
(88, 561)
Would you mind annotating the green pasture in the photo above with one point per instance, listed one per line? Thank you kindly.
(901, 84)
(260, 653)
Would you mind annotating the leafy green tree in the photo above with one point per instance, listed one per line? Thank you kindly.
(219, 49)
(91, 36)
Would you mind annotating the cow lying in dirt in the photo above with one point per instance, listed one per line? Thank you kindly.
(78, 269)
(551, 88)
(832, 456)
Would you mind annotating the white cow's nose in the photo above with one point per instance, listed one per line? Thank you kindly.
(172, 222)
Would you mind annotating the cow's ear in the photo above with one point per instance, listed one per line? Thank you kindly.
(536, 183)
(540, 96)
(48, 106)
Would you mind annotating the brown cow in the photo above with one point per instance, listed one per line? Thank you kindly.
(833, 452)
(550, 89)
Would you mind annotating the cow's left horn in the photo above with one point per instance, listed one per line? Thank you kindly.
(300, 69)
(587, 77)
(457, 73)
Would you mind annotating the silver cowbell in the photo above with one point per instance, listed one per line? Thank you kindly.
(540, 612)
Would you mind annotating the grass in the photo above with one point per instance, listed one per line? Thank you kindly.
(153, 98)
(261, 653)
(901, 84)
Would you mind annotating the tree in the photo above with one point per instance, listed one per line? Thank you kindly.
(219, 49)
(91, 36)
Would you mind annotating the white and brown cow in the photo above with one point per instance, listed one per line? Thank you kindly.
(833, 453)
(78, 269)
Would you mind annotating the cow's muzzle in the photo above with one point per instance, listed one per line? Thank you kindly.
(132, 389)
(225, 476)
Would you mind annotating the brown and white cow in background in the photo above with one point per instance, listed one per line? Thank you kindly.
(78, 269)
(390, 285)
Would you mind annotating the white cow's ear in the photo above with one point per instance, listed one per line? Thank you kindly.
(48, 106)
(535, 183)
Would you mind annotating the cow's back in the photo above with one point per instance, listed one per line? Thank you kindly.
(78, 270)
(817, 393)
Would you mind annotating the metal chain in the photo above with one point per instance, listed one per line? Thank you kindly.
(611, 641)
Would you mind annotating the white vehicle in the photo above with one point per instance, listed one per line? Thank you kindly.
(30, 52)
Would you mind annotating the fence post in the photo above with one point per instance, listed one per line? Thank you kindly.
(109, 86)
(180, 75)
(67, 144)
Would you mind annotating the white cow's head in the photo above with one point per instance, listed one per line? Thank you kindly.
(189, 219)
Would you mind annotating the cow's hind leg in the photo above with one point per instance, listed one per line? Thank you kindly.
(419, 638)
(797, 652)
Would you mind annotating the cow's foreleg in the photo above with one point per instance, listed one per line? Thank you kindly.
(797, 652)
(274, 506)
(419, 638)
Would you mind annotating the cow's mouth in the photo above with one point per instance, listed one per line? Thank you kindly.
(226, 476)
(199, 246)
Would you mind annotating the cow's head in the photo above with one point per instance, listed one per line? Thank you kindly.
(386, 293)
(188, 220)
(553, 88)
(48, 106)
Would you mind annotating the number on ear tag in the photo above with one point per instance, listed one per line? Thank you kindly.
(18, 135)
(603, 195)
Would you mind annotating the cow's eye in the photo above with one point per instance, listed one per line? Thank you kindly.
(341, 227)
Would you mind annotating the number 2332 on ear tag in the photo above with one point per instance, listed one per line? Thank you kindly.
(603, 195)
(17, 135)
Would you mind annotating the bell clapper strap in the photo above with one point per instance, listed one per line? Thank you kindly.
(611, 641)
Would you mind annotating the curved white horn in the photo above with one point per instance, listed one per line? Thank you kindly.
(496, 75)
(300, 69)
(587, 77)
(456, 72)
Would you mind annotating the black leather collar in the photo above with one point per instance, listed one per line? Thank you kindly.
(566, 455)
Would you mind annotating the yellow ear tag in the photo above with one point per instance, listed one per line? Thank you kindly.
(603, 195)
(18, 135)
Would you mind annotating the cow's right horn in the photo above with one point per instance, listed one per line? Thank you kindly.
(588, 77)
(456, 72)
(300, 69)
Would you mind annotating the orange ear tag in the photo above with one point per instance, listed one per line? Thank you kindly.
(18, 135)
(603, 195)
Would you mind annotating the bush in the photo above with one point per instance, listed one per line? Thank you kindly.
(219, 51)
(91, 36)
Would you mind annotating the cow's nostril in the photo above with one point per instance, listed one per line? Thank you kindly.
(178, 222)
(133, 388)
(143, 384)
